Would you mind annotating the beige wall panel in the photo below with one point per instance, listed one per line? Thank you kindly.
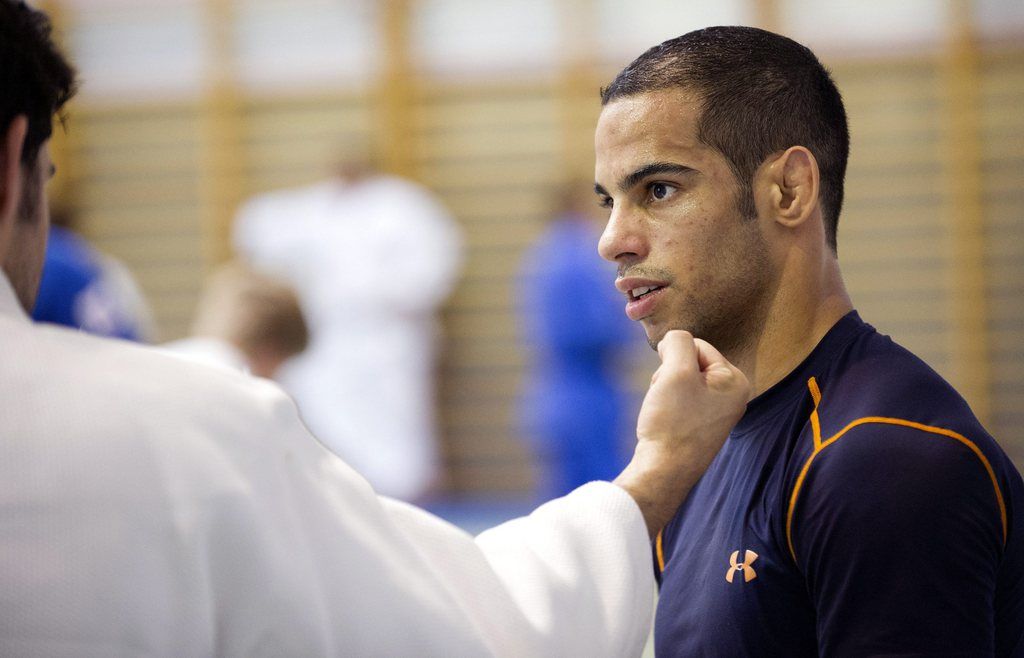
(297, 140)
(1002, 145)
(490, 263)
(482, 295)
(469, 352)
(465, 113)
(503, 454)
(894, 238)
(505, 197)
(496, 476)
(498, 326)
(492, 153)
(134, 181)
(491, 384)
(503, 177)
(481, 143)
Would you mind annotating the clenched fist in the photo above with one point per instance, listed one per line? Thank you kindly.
(695, 399)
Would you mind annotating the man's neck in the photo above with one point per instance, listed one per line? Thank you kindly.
(9, 303)
(804, 308)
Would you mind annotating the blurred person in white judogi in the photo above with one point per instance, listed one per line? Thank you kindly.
(246, 321)
(372, 257)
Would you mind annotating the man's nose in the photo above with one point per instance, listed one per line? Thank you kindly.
(623, 240)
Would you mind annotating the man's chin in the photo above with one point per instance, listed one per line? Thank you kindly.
(657, 330)
(654, 333)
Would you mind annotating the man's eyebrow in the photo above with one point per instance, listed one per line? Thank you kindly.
(632, 179)
(599, 190)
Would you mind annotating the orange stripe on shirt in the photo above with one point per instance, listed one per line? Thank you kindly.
(820, 446)
(660, 550)
(812, 384)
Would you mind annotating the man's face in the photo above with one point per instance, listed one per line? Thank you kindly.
(24, 264)
(674, 223)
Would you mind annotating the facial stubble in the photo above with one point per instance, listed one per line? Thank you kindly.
(729, 310)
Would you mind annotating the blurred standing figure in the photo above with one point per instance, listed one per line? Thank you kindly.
(86, 289)
(573, 403)
(372, 257)
(245, 321)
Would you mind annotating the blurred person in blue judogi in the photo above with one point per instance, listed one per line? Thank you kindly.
(371, 257)
(244, 321)
(86, 289)
(573, 402)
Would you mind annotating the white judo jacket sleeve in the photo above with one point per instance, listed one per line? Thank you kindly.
(572, 579)
(552, 583)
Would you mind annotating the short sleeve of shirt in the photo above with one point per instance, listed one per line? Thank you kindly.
(899, 535)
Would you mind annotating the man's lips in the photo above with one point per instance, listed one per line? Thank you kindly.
(634, 287)
(643, 295)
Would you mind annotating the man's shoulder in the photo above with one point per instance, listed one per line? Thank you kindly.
(876, 377)
(882, 415)
(889, 433)
(124, 428)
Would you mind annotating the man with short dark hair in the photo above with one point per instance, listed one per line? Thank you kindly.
(154, 507)
(35, 82)
(858, 508)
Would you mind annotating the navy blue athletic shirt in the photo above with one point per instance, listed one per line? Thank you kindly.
(858, 509)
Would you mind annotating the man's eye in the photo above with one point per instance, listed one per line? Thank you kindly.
(660, 191)
(605, 202)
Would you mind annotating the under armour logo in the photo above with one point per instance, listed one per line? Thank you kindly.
(748, 571)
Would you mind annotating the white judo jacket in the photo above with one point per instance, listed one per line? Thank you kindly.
(371, 262)
(154, 507)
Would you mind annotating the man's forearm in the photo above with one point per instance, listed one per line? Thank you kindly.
(695, 399)
(657, 488)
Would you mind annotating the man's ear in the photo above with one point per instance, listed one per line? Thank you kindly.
(793, 181)
(11, 171)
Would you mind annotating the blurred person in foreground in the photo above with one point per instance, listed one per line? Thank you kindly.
(246, 321)
(858, 508)
(372, 258)
(86, 289)
(156, 507)
(573, 403)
